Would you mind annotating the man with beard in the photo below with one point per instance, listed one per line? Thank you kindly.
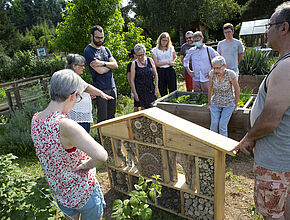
(183, 51)
(101, 62)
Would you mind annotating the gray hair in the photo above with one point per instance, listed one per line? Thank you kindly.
(140, 48)
(197, 34)
(63, 83)
(74, 59)
(188, 32)
(219, 60)
(283, 13)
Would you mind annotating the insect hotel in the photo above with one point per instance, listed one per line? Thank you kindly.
(190, 160)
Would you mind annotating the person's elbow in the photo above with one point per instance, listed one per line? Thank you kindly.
(115, 66)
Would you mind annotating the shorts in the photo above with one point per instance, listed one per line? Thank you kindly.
(92, 210)
(271, 191)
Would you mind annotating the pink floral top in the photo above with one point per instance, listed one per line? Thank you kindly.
(71, 189)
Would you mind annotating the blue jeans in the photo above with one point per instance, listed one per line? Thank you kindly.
(92, 210)
(86, 126)
(220, 117)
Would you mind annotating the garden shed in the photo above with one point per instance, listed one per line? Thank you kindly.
(190, 160)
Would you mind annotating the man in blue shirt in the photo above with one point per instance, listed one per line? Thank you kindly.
(101, 62)
(200, 57)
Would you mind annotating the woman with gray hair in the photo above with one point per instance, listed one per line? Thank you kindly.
(67, 153)
(142, 72)
(222, 101)
(82, 111)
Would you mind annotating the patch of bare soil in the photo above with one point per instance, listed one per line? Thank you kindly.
(239, 201)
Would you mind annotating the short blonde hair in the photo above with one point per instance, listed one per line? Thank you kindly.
(164, 35)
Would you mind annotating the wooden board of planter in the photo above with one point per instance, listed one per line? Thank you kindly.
(199, 114)
(190, 160)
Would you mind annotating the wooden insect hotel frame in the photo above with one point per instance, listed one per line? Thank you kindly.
(190, 160)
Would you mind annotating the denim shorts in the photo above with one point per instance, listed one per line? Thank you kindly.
(92, 210)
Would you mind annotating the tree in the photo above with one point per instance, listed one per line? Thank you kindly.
(73, 34)
(178, 16)
(252, 9)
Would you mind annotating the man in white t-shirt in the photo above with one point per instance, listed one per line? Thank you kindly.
(231, 49)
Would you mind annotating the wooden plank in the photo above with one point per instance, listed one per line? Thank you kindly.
(219, 185)
(179, 141)
(165, 166)
(119, 130)
(14, 83)
(197, 175)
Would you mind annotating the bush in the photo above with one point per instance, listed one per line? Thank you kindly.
(26, 64)
(19, 197)
(254, 62)
(16, 138)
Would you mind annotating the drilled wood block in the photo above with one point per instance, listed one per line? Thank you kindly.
(119, 180)
(170, 199)
(147, 130)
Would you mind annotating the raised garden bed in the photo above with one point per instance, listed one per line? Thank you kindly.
(193, 107)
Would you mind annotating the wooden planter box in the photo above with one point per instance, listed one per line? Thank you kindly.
(250, 82)
(199, 114)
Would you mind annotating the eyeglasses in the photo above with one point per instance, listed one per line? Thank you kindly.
(140, 55)
(81, 65)
(78, 96)
(187, 38)
(217, 67)
(269, 24)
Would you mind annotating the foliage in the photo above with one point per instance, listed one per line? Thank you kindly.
(178, 15)
(254, 62)
(27, 64)
(136, 207)
(244, 97)
(179, 69)
(125, 105)
(26, 13)
(73, 34)
(16, 138)
(20, 200)
(196, 99)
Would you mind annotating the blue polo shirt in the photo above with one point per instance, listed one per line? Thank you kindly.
(101, 81)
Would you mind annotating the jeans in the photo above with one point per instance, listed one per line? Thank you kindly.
(86, 126)
(220, 117)
(106, 108)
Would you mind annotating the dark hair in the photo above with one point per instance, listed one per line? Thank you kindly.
(131, 53)
(228, 26)
(96, 28)
(74, 59)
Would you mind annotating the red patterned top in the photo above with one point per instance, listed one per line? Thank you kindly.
(71, 189)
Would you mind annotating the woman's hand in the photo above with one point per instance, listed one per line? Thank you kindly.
(235, 110)
(208, 107)
(156, 92)
(136, 97)
(105, 96)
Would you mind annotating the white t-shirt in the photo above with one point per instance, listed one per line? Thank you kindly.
(163, 56)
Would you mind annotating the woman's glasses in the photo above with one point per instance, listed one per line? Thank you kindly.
(78, 96)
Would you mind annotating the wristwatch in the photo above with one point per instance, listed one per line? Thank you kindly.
(104, 64)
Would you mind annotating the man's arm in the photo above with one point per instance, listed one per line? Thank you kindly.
(276, 103)
(102, 67)
(240, 57)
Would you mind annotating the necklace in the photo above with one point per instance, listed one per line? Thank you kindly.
(143, 63)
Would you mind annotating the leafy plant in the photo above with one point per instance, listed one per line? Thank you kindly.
(136, 207)
(254, 62)
(20, 198)
(16, 138)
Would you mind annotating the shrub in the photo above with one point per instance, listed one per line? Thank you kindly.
(254, 62)
(136, 207)
(16, 138)
(26, 64)
(19, 197)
